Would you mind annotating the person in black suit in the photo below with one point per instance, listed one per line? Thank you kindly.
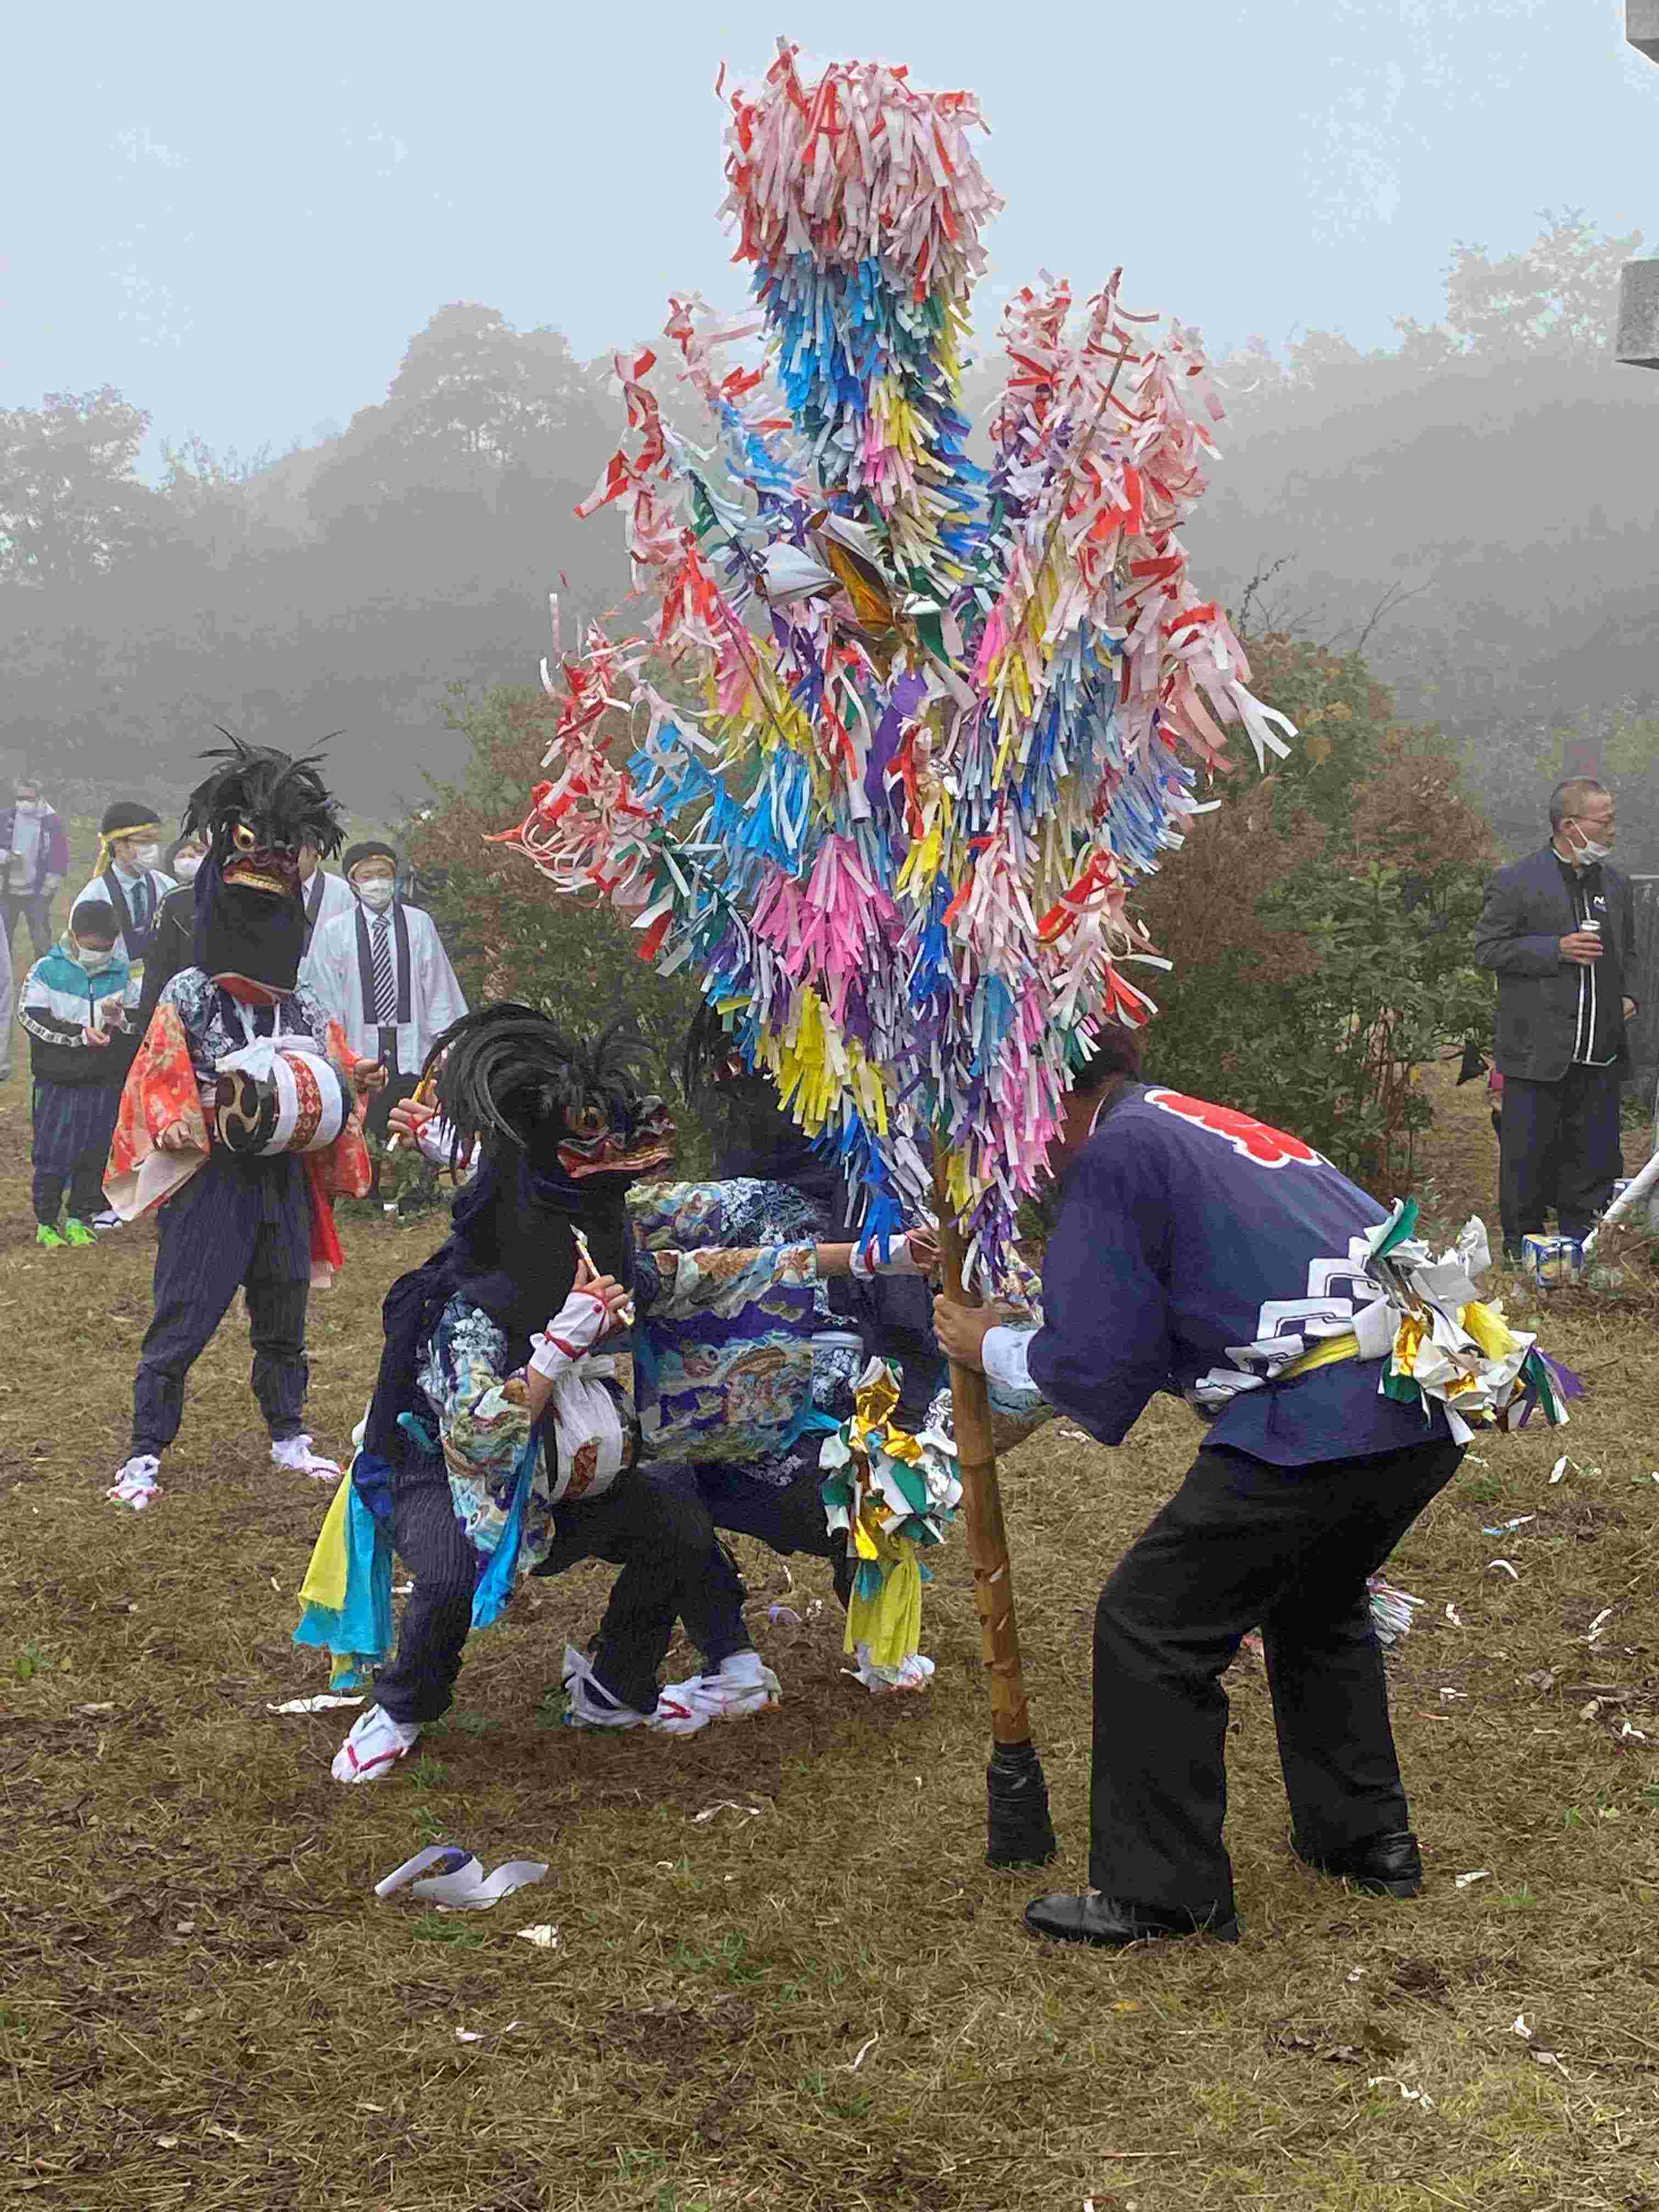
(1558, 929)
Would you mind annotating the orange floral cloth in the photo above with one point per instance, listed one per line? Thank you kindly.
(161, 1088)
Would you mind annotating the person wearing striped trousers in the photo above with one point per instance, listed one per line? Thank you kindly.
(239, 1223)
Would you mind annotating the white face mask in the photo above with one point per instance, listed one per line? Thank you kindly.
(92, 958)
(30, 806)
(1587, 848)
(185, 866)
(145, 856)
(375, 893)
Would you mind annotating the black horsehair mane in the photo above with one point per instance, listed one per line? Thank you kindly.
(283, 801)
(708, 1051)
(507, 1070)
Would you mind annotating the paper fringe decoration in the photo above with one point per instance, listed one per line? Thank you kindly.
(939, 720)
(1392, 1611)
(894, 1494)
(1446, 1344)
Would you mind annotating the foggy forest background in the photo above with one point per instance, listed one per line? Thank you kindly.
(1471, 507)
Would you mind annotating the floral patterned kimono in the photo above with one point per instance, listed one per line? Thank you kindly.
(739, 1358)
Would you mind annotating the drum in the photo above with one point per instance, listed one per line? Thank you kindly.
(280, 1098)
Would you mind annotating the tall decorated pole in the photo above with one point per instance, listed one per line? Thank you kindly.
(944, 717)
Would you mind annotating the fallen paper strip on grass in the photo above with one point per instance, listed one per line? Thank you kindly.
(451, 1878)
(1417, 2097)
(1560, 1468)
(1509, 1569)
(323, 1702)
(545, 1935)
(1480, 1873)
(727, 1805)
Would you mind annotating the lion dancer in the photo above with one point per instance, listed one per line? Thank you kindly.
(239, 1119)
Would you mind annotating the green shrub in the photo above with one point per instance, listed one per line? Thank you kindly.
(1320, 926)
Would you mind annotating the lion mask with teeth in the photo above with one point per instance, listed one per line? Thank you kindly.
(253, 813)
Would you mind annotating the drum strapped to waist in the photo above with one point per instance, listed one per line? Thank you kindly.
(279, 1095)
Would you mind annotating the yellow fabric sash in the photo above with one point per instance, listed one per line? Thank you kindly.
(325, 1583)
(1325, 1353)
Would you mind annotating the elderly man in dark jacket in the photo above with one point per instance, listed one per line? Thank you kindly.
(1558, 929)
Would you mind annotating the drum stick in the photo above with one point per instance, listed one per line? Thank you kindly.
(625, 1311)
(421, 1096)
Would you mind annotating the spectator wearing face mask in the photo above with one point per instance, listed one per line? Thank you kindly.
(1558, 929)
(76, 1005)
(171, 933)
(382, 972)
(323, 896)
(34, 857)
(128, 877)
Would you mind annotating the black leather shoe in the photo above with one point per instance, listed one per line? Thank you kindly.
(1088, 1917)
(1384, 1866)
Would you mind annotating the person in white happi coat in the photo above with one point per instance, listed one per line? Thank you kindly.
(382, 971)
(325, 896)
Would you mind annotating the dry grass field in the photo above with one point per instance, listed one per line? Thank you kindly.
(784, 1976)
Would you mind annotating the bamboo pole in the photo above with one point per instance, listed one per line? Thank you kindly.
(1020, 1831)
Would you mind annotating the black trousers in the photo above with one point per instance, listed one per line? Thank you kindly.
(786, 1518)
(235, 1225)
(1557, 1145)
(660, 1537)
(73, 1125)
(1244, 1542)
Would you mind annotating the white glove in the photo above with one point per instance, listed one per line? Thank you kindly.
(579, 1324)
(868, 1261)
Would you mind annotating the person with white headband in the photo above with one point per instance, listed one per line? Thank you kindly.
(129, 875)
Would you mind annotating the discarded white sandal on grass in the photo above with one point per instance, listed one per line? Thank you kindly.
(136, 1485)
(743, 1685)
(915, 1673)
(589, 1704)
(375, 1745)
(294, 1455)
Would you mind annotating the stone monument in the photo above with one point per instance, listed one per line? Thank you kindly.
(1636, 340)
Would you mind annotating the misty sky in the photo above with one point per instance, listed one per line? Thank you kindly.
(240, 216)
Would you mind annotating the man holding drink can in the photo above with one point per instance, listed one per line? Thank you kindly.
(1558, 929)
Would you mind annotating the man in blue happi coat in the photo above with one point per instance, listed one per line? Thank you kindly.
(1199, 1252)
